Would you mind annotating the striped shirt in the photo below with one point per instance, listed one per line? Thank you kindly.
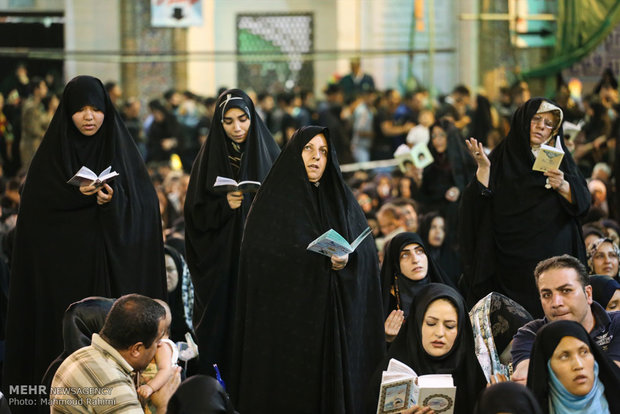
(94, 379)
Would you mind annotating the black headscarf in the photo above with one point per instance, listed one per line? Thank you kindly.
(200, 394)
(391, 274)
(603, 289)
(461, 165)
(181, 298)
(547, 339)
(507, 397)
(213, 230)
(307, 336)
(504, 235)
(452, 168)
(68, 247)
(445, 255)
(460, 361)
(482, 120)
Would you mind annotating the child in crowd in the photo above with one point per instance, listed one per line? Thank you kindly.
(165, 359)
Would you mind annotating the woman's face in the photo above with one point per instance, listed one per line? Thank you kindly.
(605, 260)
(573, 364)
(314, 155)
(439, 328)
(365, 202)
(541, 126)
(88, 120)
(413, 262)
(236, 124)
(437, 232)
(405, 187)
(614, 302)
(384, 187)
(439, 139)
(172, 275)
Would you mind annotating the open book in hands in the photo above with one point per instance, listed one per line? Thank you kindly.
(228, 185)
(85, 176)
(331, 243)
(402, 388)
(548, 157)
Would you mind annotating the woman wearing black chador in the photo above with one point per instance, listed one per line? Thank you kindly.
(512, 217)
(239, 146)
(72, 242)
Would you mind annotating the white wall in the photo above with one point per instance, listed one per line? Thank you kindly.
(386, 26)
(200, 71)
(92, 25)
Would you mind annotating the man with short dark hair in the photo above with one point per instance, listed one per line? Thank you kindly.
(566, 294)
(98, 378)
(409, 212)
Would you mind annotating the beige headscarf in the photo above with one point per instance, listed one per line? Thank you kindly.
(557, 112)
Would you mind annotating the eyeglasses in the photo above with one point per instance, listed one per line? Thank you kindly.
(545, 122)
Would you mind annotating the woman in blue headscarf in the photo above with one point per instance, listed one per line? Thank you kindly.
(569, 373)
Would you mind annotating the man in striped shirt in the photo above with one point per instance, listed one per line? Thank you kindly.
(100, 378)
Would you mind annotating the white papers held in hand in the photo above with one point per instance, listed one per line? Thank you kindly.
(401, 388)
(548, 157)
(85, 176)
(331, 243)
(227, 185)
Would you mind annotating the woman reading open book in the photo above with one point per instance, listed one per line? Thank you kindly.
(309, 328)
(512, 217)
(239, 147)
(75, 242)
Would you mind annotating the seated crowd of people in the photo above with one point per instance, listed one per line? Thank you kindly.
(427, 296)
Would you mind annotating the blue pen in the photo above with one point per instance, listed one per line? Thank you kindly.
(218, 376)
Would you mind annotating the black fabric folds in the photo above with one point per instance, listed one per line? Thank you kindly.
(200, 394)
(547, 339)
(507, 397)
(603, 288)
(390, 272)
(445, 255)
(506, 230)
(461, 361)
(213, 230)
(307, 337)
(68, 247)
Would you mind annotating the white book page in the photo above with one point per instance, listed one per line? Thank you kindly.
(224, 181)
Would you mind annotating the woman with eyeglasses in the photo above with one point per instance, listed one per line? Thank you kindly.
(512, 217)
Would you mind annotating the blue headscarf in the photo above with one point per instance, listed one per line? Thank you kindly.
(551, 395)
(564, 402)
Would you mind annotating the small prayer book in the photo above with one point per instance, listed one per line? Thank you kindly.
(548, 157)
(85, 176)
(331, 243)
(402, 388)
(227, 185)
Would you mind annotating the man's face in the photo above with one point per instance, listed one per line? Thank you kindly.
(563, 297)
(147, 354)
(411, 218)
